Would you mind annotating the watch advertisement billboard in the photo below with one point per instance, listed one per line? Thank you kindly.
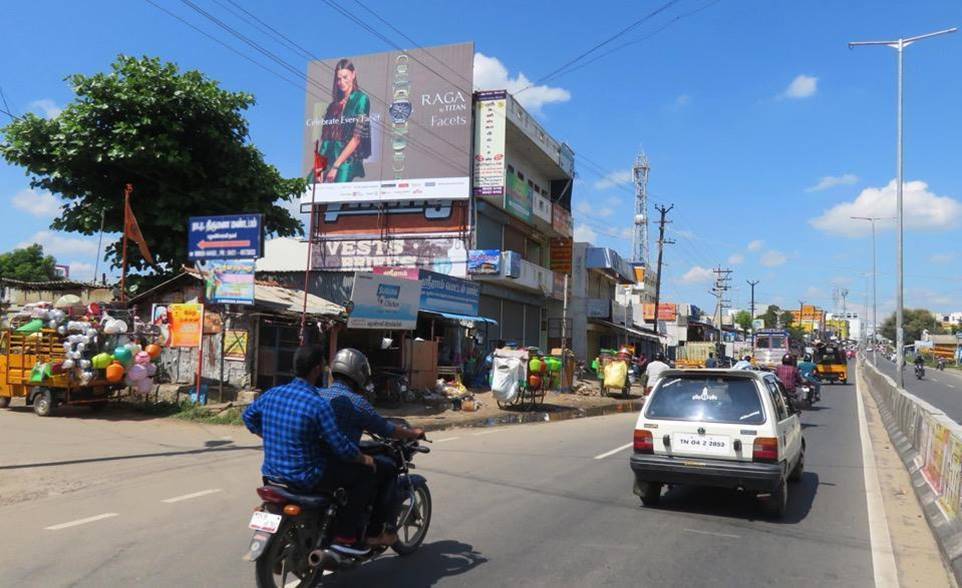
(446, 255)
(401, 217)
(384, 302)
(489, 158)
(390, 126)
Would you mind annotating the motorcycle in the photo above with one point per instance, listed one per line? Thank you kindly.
(919, 371)
(807, 391)
(941, 365)
(293, 532)
(390, 386)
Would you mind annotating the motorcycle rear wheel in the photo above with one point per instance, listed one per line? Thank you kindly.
(414, 521)
(282, 562)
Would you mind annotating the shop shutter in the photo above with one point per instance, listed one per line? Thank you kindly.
(512, 325)
(489, 233)
(532, 325)
(490, 307)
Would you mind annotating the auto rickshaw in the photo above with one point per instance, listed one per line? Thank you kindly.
(831, 364)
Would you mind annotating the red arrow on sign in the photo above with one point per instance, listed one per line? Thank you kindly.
(223, 244)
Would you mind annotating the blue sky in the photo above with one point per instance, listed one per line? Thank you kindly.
(761, 127)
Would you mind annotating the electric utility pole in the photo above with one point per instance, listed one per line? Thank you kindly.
(899, 45)
(722, 285)
(752, 283)
(661, 247)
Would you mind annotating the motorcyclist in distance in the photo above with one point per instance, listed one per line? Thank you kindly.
(808, 370)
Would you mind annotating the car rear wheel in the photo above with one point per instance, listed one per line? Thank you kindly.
(799, 469)
(650, 493)
(776, 503)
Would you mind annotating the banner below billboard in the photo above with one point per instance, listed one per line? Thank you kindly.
(229, 281)
(439, 293)
(384, 302)
(373, 219)
(443, 255)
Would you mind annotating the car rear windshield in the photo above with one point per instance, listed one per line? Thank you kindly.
(713, 399)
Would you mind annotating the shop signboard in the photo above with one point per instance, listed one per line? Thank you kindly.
(411, 119)
(561, 250)
(484, 262)
(666, 312)
(229, 281)
(561, 220)
(234, 236)
(384, 302)
(235, 344)
(344, 220)
(489, 158)
(445, 255)
(517, 198)
(439, 293)
(186, 323)
(599, 308)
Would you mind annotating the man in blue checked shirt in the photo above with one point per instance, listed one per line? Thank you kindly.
(355, 415)
(304, 449)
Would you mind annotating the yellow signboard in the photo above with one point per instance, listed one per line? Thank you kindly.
(186, 324)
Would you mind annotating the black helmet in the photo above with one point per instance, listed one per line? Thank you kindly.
(787, 359)
(808, 357)
(747, 358)
(353, 365)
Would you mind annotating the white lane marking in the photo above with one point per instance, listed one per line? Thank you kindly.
(883, 558)
(950, 385)
(446, 439)
(713, 534)
(613, 451)
(191, 495)
(485, 432)
(99, 517)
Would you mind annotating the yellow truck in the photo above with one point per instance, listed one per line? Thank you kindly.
(23, 375)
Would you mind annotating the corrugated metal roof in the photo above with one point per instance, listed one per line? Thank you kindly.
(290, 300)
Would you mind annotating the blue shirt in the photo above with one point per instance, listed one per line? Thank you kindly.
(354, 413)
(300, 433)
(807, 368)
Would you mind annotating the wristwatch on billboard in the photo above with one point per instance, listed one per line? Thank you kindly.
(400, 111)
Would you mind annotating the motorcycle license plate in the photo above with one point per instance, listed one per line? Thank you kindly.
(715, 444)
(265, 521)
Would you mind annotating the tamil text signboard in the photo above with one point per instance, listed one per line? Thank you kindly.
(489, 159)
(384, 302)
(393, 126)
(440, 293)
(235, 236)
(186, 324)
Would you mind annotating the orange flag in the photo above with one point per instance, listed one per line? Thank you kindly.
(132, 230)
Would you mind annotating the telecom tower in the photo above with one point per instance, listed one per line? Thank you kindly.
(639, 246)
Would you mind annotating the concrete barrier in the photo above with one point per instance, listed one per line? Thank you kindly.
(930, 445)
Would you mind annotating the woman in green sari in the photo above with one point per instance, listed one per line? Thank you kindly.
(346, 133)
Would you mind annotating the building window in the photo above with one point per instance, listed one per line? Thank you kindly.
(520, 175)
(510, 169)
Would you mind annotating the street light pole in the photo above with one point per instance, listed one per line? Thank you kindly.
(899, 45)
(872, 220)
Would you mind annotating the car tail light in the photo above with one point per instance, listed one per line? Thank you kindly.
(268, 494)
(643, 441)
(765, 449)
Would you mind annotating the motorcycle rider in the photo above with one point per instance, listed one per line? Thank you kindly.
(787, 373)
(351, 374)
(808, 370)
(293, 420)
(919, 363)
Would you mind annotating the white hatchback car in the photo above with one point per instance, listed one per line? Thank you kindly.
(722, 428)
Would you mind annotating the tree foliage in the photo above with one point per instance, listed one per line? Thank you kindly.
(180, 139)
(771, 316)
(743, 318)
(28, 264)
(913, 323)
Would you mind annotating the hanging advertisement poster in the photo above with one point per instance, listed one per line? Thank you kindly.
(489, 159)
(235, 344)
(561, 250)
(399, 218)
(229, 281)
(484, 262)
(443, 255)
(186, 324)
(384, 302)
(391, 127)
(160, 323)
(517, 198)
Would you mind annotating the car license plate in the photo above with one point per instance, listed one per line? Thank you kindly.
(714, 444)
(265, 521)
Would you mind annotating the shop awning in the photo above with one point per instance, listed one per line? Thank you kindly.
(629, 330)
(462, 317)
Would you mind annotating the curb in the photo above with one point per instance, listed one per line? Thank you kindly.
(948, 535)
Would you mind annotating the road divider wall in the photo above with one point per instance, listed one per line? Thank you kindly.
(930, 445)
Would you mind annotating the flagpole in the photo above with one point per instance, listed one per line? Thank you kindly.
(310, 239)
(128, 188)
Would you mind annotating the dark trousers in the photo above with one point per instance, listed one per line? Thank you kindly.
(358, 481)
(384, 513)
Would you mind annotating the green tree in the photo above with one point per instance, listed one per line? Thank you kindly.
(179, 138)
(788, 319)
(743, 318)
(771, 316)
(28, 264)
(914, 321)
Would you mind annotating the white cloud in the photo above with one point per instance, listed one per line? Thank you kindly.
(802, 86)
(589, 210)
(923, 210)
(491, 74)
(827, 182)
(736, 258)
(45, 106)
(756, 245)
(685, 233)
(941, 257)
(36, 203)
(58, 244)
(585, 234)
(82, 271)
(773, 258)
(697, 275)
(681, 101)
(615, 178)
(813, 292)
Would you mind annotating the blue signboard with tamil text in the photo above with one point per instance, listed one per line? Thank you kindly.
(441, 293)
(235, 236)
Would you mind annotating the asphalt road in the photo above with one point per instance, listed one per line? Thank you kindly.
(940, 389)
(530, 505)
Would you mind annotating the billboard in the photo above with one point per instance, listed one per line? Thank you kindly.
(229, 281)
(666, 311)
(489, 159)
(384, 302)
(484, 262)
(402, 217)
(440, 293)
(390, 126)
(443, 255)
(234, 236)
